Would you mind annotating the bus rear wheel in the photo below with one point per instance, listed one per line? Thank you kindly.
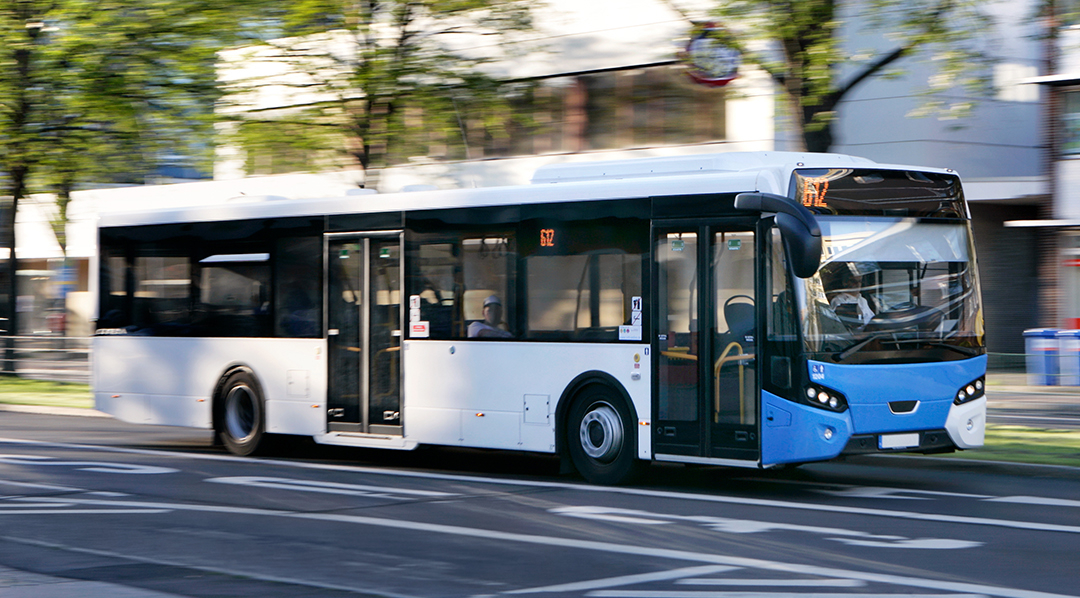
(601, 437)
(241, 421)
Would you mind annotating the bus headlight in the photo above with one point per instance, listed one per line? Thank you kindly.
(825, 398)
(970, 391)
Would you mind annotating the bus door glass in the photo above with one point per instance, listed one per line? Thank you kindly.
(364, 333)
(706, 376)
(733, 410)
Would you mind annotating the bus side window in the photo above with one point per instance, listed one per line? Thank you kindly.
(162, 301)
(583, 278)
(435, 283)
(297, 280)
(782, 307)
(453, 274)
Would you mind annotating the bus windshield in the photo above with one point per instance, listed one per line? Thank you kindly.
(892, 291)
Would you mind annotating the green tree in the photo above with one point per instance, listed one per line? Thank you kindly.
(381, 79)
(104, 91)
(816, 68)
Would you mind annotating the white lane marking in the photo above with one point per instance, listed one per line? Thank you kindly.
(775, 583)
(651, 594)
(918, 543)
(95, 466)
(1036, 500)
(748, 526)
(625, 580)
(23, 505)
(591, 545)
(3, 511)
(734, 500)
(676, 594)
(50, 487)
(891, 493)
(329, 487)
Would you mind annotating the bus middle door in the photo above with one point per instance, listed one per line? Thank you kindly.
(363, 331)
(707, 395)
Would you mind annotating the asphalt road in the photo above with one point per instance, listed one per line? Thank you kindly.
(103, 508)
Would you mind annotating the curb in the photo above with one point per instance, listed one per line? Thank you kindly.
(46, 410)
(909, 460)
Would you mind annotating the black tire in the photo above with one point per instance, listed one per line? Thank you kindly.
(601, 437)
(241, 418)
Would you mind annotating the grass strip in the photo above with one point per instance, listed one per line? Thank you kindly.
(1017, 444)
(22, 391)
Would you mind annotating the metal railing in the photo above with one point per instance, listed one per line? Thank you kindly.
(46, 357)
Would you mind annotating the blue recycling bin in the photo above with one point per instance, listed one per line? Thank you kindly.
(1041, 349)
(1068, 357)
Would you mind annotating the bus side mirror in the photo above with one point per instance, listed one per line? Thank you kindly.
(798, 228)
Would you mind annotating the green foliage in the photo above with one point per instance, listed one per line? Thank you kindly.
(105, 91)
(395, 78)
(817, 68)
(112, 87)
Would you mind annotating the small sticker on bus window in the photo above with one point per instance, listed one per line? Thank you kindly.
(418, 330)
(734, 244)
(678, 245)
(629, 333)
(414, 301)
(817, 371)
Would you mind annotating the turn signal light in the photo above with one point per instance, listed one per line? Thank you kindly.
(826, 398)
(969, 392)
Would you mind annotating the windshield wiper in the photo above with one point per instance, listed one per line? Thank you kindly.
(842, 355)
(962, 350)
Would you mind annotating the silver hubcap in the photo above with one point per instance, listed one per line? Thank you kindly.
(241, 412)
(602, 433)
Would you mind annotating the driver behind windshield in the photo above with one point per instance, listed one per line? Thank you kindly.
(847, 287)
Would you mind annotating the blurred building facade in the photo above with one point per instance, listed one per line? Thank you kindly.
(1057, 226)
(613, 89)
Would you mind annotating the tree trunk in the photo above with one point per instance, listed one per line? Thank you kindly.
(818, 140)
(17, 184)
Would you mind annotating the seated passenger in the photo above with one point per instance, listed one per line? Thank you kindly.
(849, 285)
(489, 326)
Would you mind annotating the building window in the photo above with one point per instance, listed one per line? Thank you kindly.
(1070, 121)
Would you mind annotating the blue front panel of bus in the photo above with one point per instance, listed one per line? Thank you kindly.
(870, 388)
(794, 432)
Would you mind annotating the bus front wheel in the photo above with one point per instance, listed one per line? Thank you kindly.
(241, 421)
(600, 435)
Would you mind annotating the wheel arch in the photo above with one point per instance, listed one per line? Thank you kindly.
(566, 400)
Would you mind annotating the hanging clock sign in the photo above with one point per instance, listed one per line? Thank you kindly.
(709, 56)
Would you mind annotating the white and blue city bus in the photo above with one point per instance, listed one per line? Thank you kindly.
(739, 309)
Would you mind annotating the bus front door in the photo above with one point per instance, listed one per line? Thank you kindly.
(363, 332)
(707, 389)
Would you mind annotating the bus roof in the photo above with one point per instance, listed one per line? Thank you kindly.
(730, 172)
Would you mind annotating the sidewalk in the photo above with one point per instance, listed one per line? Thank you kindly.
(1010, 396)
(1017, 383)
